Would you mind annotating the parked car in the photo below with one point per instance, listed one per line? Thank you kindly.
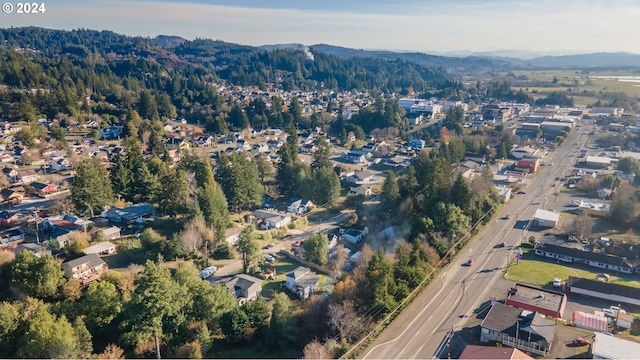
(580, 341)
(501, 244)
(557, 282)
(268, 246)
(269, 258)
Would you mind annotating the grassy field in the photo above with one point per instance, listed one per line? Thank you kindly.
(536, 270)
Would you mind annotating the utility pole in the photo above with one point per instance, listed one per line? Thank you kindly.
(37, 230)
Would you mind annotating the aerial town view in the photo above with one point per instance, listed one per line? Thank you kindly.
(319, 180)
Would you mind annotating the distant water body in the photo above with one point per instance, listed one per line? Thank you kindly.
(624, 78)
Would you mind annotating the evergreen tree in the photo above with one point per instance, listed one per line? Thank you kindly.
(49, 336)
(240, 181)
(156, 308)
(461, 194)
(390, 192)
(321, 155)
(213, 205)
(173, 198)
(91, 188)
(247, 247)
(234, 324)
(282, 326)
(237, 117)
(121, 177)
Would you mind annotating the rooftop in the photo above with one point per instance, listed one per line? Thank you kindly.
(536, 296)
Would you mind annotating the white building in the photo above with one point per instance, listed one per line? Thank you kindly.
(545, 218)
(606, 346)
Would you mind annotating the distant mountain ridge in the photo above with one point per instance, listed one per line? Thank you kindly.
(495, 60)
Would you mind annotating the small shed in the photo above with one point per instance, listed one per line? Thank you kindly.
(624, 320)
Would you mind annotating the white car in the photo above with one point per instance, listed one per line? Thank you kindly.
(269, 258)
(557, 282)
(208, 272)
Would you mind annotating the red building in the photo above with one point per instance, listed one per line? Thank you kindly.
(546, 302)
(531, 164)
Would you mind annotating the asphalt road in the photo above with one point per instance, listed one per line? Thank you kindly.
(460, 289)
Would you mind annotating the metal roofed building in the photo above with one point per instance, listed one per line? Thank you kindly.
(616, 293)
(600, 162)
(589, 321)
(546, 218)
(546, 302)
(606, 346)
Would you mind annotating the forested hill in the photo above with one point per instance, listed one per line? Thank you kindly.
(38, 58)
(451, 64)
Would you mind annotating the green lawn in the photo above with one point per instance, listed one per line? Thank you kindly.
(536, 270)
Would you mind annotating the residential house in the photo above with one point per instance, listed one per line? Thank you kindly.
(363, 177)
(504, 192)
(67, 222)
(27, 176)
(36, 249)
(353, 236)
(242, 145)
(360, 189)
(299, 206)
(110, 133)
(129, 214)
(13, 195)
(271, 219)
(307, 148)
(260, 148)
(302, 282)
(6, 158)
(43, 189)
(205, 141)
(111, 233)
(357, 157)
(232, 235)
(60, 164)
(274, 144)
(417, 144)
(524, 330)
(9, 218)
(244, 287)
(397, 160)
(86, 268)
(11, 174)
(100, 249)
(11, 237)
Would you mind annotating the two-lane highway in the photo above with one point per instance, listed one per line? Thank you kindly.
(451, 298)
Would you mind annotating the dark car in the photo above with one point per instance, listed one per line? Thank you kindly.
(501, 245)
(521, 192)
(470, 262)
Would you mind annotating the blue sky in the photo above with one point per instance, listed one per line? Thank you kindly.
(549, 26)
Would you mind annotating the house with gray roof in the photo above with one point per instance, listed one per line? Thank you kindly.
(302, 282)
(616, 293)
(244, 287)
(130, 213)
(522, 329)
(86, 268)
